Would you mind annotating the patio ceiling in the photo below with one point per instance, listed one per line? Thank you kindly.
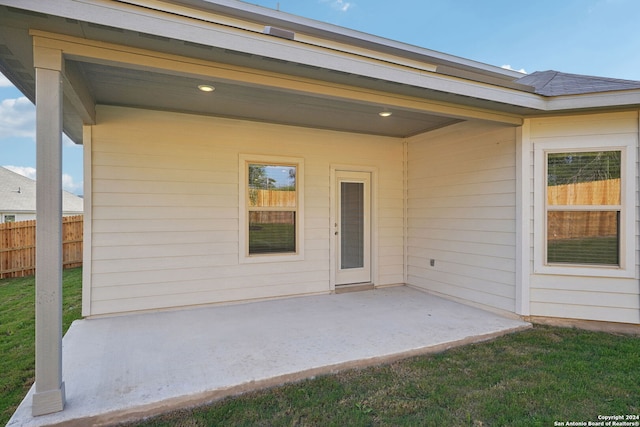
(113, 85)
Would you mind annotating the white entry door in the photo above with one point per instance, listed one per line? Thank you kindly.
(353, 227)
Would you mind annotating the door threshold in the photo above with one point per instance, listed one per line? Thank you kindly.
(355, 287)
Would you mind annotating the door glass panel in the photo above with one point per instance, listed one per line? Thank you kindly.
(352, 225)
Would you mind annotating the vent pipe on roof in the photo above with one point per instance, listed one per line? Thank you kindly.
(279, 32)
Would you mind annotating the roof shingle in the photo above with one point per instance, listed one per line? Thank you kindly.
(18, 194)
(555, 83)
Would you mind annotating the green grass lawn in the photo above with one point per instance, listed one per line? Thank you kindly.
(267, 238)
(530, 378)
(17, 329)
(590, 250)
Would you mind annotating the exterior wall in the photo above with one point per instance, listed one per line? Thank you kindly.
(164, 209)
(20, 216)
(597, 296)
(28, 216)
(461, 213)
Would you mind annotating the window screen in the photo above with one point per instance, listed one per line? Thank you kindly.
(583, 207)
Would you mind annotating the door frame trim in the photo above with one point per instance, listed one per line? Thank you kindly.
(333, 219)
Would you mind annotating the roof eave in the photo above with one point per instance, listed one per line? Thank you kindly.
(616, 99)
(452, 75)
(339, 34)
(252, 41)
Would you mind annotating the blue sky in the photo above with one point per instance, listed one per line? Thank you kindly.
(593, 37)
(17, 139)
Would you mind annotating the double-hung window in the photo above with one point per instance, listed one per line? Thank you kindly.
(271, 208)
(584, 220)
(583, 207)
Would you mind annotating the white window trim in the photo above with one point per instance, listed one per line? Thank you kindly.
(244, 257)
(627, 145)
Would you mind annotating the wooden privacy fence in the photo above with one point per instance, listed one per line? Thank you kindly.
(18, 246)
(604, 192)
(272, 198)
(571, 224)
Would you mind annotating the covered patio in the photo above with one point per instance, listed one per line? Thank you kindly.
(126, 367)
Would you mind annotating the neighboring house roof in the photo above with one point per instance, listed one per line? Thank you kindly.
(18, 194)
(555, 83)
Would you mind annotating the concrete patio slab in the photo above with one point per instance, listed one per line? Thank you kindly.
(127, 367)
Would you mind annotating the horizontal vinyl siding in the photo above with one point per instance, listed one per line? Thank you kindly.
(461, 213)
(390, 227)
(608, 299)
(165, 220)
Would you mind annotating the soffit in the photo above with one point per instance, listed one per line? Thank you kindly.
(112, 85)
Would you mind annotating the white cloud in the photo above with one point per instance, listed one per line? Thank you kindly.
(70, 185)
(17, 118)
(67, 142)
(27, 171)
(68, 182)
(341, 5)
(4, 82)
(509, 67)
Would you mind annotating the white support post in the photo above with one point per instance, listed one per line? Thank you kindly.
(49, 394)
(523, 219)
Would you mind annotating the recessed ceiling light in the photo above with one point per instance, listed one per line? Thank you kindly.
(385, 113)
(206, 88)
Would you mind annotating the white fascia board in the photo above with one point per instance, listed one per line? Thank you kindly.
(630, 98)
(352, 59)
(303, 37)
(325, 31)
(189, 29)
